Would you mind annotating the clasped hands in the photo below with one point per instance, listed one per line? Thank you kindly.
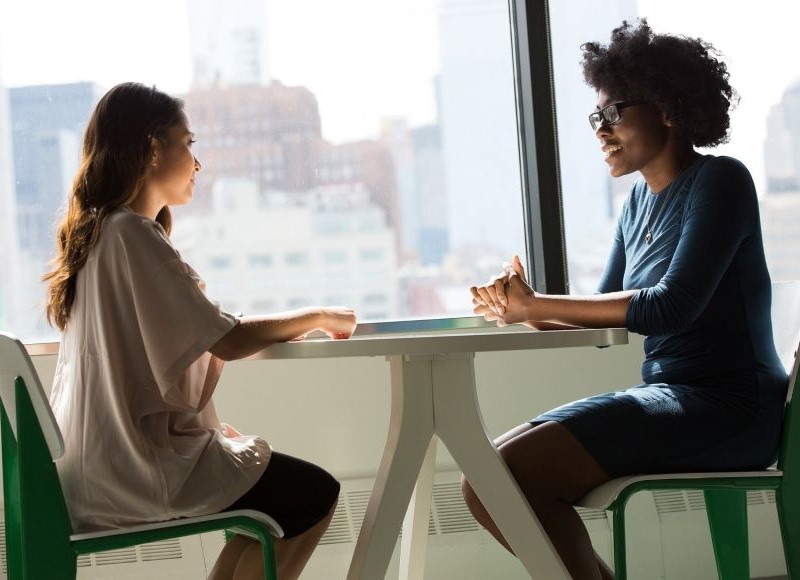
(506, 298)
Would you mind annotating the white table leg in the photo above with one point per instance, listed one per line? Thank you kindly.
(414, 541)
(410, 432)
(460, 426)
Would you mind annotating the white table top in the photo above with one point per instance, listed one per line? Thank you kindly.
(444, 342)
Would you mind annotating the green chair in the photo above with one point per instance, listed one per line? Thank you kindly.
(40, 544)
(726, 492)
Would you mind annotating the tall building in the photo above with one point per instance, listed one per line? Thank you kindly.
(271, 135)
(479, 125)
(268, 134)
(9, 274)
(263, 253)
(47, 124)
(782, 144)
(421, 193)
(228, 43)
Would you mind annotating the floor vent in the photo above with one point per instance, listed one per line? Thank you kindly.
(164, 550)
(449, 514)
(588, 514)
(674, 501)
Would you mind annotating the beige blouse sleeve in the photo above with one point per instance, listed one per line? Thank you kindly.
(176, 321)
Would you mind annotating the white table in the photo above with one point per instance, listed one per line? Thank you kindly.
(433, 395)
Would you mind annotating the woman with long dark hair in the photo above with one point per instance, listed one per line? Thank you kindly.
(142, 349)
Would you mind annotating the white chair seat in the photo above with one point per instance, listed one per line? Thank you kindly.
(604, 495)
(275, 528)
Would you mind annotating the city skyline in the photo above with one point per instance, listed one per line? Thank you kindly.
(455, 222)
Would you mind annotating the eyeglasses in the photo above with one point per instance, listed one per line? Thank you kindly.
(610, 114)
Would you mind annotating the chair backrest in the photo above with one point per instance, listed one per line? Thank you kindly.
(36, 517)
(786, 332)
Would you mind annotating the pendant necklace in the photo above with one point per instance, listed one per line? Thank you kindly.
(648, 237)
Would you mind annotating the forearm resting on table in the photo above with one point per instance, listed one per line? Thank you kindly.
(596, 311)
(254, 333)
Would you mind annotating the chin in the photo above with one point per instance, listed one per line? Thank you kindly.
(619, 171)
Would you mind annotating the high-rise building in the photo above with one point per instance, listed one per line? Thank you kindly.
(268, 134)
(271, 135)
(47, 124)
(782, 144)
(417, 156)
(268, 252)
(479, 125)
(228, 43)
(9, 275)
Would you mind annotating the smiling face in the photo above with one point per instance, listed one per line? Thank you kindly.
(172, 176)
(637, 141)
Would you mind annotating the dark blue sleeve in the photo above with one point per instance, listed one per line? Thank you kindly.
(717, 218)
(611, 281)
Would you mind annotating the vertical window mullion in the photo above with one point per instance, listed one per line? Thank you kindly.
(538, 145)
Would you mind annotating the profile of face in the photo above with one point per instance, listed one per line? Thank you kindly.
(634, 141)
(172, 172)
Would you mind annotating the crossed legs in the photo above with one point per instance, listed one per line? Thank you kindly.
(553, 470)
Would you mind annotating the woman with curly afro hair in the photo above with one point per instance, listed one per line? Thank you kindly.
(687, 270)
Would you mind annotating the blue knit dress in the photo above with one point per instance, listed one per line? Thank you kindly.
(714, 388)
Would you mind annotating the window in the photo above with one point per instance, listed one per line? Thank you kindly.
(407, 152)
(765, 127)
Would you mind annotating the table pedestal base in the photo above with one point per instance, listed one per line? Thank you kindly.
(435, 395)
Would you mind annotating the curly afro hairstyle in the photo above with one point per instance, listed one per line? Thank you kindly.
(681, 76)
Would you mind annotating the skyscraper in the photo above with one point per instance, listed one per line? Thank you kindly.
(479, 125)
(8, 226)
(47, 126)
(228, 43)
(782, 145)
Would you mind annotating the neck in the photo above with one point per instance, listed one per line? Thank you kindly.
(662, 171)
(146, 204)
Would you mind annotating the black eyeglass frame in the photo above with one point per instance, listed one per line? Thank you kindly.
(597, 118)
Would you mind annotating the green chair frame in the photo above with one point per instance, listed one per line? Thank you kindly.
(725, 493)
(40, 544)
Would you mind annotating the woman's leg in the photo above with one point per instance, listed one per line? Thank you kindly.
(291, 554)
(553, 470)
(301, 497)
(229, 558)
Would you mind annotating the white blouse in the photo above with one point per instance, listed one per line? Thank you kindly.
(133, 385)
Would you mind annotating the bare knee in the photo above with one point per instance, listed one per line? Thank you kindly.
(549, 464)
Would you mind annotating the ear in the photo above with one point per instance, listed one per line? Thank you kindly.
(156, 149)
(665, 119)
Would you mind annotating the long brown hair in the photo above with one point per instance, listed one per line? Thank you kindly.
(117, 151)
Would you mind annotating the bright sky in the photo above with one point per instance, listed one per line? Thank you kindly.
(759, 44)
(365, 59)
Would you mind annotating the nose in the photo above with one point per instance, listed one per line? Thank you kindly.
(197, 165)
(603, 130)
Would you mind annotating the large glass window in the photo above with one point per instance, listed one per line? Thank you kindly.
(359, 150)
(756, 42)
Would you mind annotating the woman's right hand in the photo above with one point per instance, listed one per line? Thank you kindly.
(490, 300)
(338, 322)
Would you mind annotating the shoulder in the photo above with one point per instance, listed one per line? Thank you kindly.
(123, 221)
(127, 232)
(724, 168)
